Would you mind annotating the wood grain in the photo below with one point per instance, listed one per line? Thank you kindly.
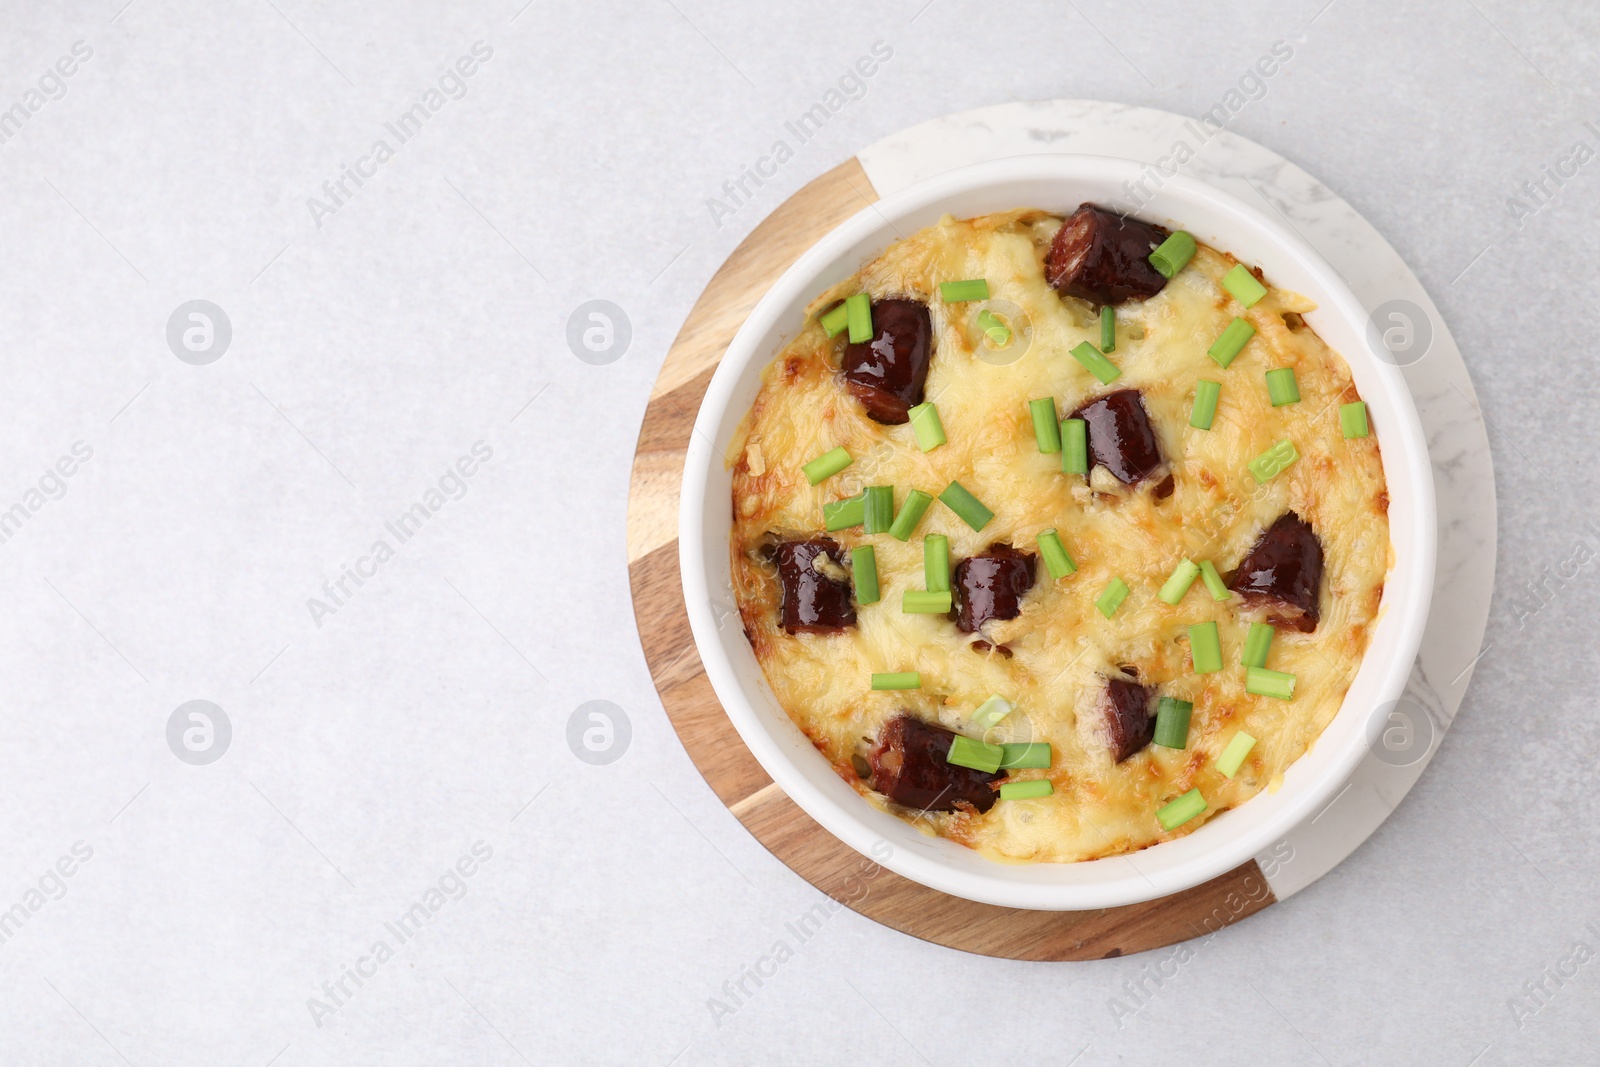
(732, 772)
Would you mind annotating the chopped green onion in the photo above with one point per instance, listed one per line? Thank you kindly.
(958, 292)
(1173, 254)
(879, 509)
(970, 508)
(1256, 645)
(1205, 648)
(1204, 412)
(1046, 431)
(1056, 560)
(1180, 811)
(1273, 461)
(864, 572)
(1213, 580)
(1108, 329)
(1183, 577)
(1095, 363)
(1172, 722)
(826, 465)
(979, 755)
(1027, 755)
(1111, 599)
(1243, 285)
(991, 711)
(1075, 446)
(835, 320)
(1034, 787)
(858, 313)
(897, 680)
(1282, 387)
(1353, 419)
(925, 423)
(1265, 683)
(843, 514)
(920, 602)
(990, 324)
(936, 563)
(1232, 757)
(911, 512)
(1225, 347)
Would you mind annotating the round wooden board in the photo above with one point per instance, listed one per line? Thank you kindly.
(710, 739)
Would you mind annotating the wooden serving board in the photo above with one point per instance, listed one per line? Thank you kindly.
(715, 746)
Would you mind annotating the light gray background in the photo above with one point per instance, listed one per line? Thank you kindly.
(369, 754)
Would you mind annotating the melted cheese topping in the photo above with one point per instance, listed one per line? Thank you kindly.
(1062, 647)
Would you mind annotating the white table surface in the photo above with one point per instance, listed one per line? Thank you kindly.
(369, 754)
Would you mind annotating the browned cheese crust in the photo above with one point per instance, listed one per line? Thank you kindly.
(1059, 650)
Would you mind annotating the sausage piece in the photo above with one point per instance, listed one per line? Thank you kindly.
(1104, 258)
(888, 372)
(908, 766)
(1130, 720)
(1283, 573)
(990, 585)
(816, 599)
(1121, 437)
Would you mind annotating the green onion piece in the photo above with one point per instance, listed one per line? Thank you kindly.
(957, 292)
(1353, 419)
(1173, 254)
(1108, 329)
(925, 423)
(879, 508)
(1180, 811)
(1232, 757)
(835, 320)
(1172, 722)
(936, 563)
(897, 680)
(990, 324)
(1034, 787)
(1075, 446)
(858, 312)
(1243, 285)
(1256, 645)
(1273, 461)
(864, 572)
(1282, 387)
(1096, 364)
(1027, 755)
(1113, 596)
(911, 512)
(991, 711)
(1224, 348)
(1205, 648)
(964, 504)
(1265, 683)
(1204, 412)
(826, 465)
(1046, 431)
(921, 602)
(1183, 576)
(843, 514)
(979, 755)
(1056, 560)
(1213, 580)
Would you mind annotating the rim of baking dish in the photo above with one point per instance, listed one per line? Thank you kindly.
(1056, 183)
